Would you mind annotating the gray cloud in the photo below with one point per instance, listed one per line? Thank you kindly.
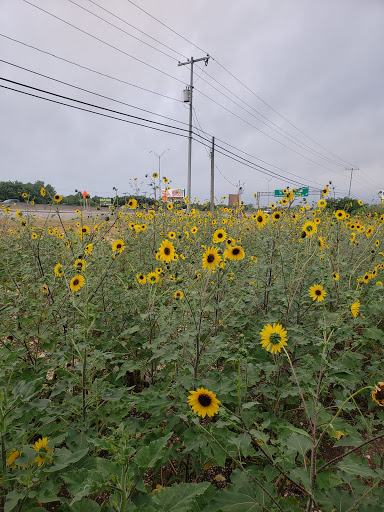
(317, 63)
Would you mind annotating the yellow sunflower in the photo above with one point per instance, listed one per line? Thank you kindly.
(219, 235)
(261, 218)
(276, 216)
(118, 246)
(335, 276)
(166, 251)
(155, 175)
(152, 278)
(325, 191)
(179, 295)
(204, 402)
(317, 292)
(76, 283)
(79, 265)
(235, 252)
(42, 191)
(355, 308)
(171, 235)
(141, 278)
(132, 203)
(59, 270)
(339, 214)
(273, 338)
(41, 444)
(378, 394)
(211, 258)
(15, 454)
(57, 198)
(322, 203)
(310, 228)
(88, 249)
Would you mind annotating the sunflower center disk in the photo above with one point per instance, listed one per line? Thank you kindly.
(235, 252)
(167, 251)
(211, 258)
(275, 338)
(204, 400)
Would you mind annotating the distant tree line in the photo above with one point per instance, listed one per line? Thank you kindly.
(15, 189)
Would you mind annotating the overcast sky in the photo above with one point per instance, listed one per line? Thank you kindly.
(317, 63)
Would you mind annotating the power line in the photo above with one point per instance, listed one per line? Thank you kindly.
(226, 179)
(269, 136)
(91, 105)
(103, 42)
(195, 113)
(242, 160)
(298, 143)
(254, 166)
(276, 112)
(92, 92)
(238, 80)
(133, 26)
(171, 76)
(97, 113)
(88, 69)
(166, 26)
(121, 30)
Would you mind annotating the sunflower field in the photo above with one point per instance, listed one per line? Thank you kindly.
(189, 362)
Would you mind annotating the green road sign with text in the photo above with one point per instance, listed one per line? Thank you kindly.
(300, 192)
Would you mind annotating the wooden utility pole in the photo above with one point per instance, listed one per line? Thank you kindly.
(213, 176)
(350, 181)
(190, 62)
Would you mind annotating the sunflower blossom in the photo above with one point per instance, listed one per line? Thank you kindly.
(204, 402)
(273, 338)
(355, 308)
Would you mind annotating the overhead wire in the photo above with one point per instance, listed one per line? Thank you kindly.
(297, 143)
(92, 92)
(93, 112)
(88, 68)
(90, 104)
(242, 161)
(276, 112)
(194, 112)
(139, 30)
(295, 140)
(164, 25)
(171, 76)
(121, 30)
(238, 80)
(104, 42)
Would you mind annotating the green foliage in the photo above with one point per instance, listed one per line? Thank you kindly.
(94, 382)
(15, 189)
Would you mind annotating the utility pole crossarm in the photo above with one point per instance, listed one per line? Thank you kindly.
(194, 60)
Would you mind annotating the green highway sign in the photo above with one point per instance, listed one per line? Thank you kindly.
(105, 201)
(300, 192)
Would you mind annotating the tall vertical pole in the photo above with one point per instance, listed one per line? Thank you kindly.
(191, 62)
(350, 181)
(190, 139)
(213, 176)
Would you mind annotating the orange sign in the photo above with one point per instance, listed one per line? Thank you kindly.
(85, 194)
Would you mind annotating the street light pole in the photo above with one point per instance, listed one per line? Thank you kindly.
(270, 179)
(159, 157)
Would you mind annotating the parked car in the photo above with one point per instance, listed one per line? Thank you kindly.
(11, 201)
